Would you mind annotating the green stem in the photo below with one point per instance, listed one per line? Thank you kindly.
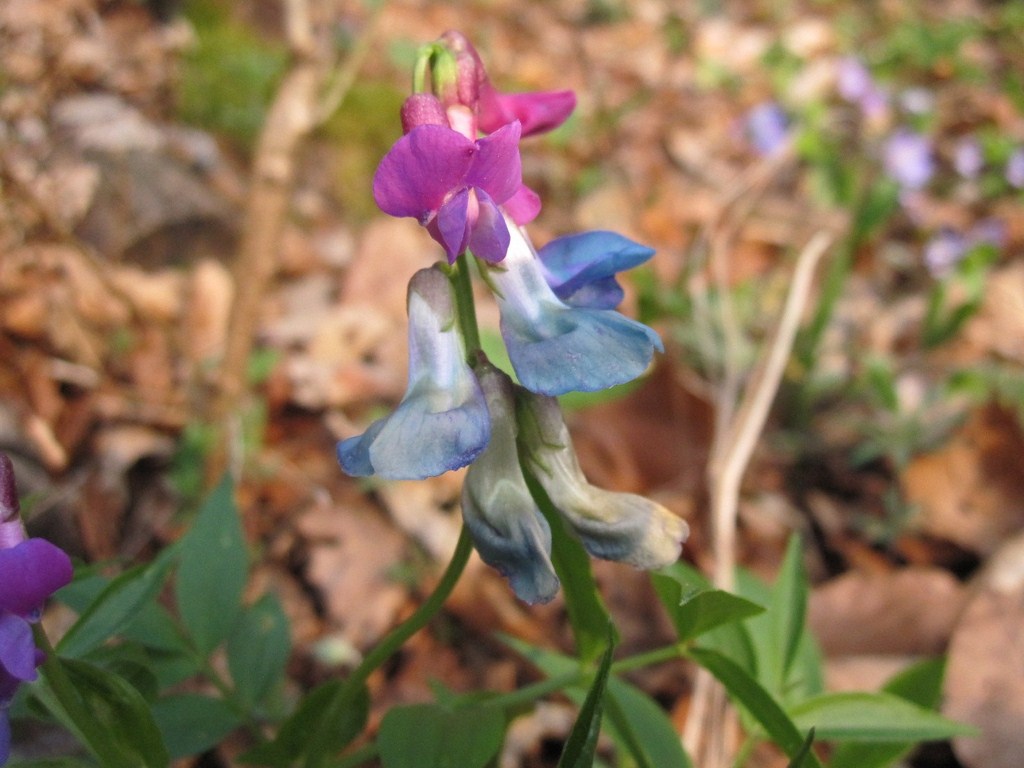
(82, 720)
(316, 751)
(646, 659)
(465, 307)
(422, 615)
(744, 753)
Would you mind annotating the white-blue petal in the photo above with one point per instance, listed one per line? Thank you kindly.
(508, 529)
(555, 348)
(442, 422)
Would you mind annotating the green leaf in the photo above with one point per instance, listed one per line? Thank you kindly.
(644, 727)
(192, 723)
(787, 611)
(127, 735)
(115, 607)
(802, 758)
(588, 615)
(876, 717)
(749, 694)
(919, 684)
(212, 571)
(695, 609)
(582, 742)
(258, 649)
(295, 734)
(434, 736)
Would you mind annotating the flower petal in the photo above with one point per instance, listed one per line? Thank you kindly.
(538, 111)
(451, 227)
(488, 235)
(613, 526)
(523, 206)
(555, 348)
(442, 422)
(421, 169)
(497, 168)
(581, 268)
(508, 530)
(30, 572)
(17, 648)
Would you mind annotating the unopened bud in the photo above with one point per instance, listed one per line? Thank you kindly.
(422, 109)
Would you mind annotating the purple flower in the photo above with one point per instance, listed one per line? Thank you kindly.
(581, 268)
(442, 422)
(855, 85)
(907, 158)
(453, 186)
(1015, 169)
(536, 111)
(968, 159)
(767, 127)
(30, 571)
(944, 251)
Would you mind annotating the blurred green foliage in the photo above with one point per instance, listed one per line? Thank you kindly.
(228, 76)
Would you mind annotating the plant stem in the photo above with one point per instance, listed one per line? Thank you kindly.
(647, 658)
(419, 619)
(315, 750)
(83, 722)
(465, 307)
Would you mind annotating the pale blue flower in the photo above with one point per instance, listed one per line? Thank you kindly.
(442, 422)
(556, 348)
(1015, 169)
(581, 268)
(508, 530)
(612, 526)
(968, 158)
(767, 127)
(908, 159)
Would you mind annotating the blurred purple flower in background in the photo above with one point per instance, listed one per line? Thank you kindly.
(968, 158)
(907, 158)
(948, 247)
(944, 251)
(855, 84)
(767, 127)
(1015, 168)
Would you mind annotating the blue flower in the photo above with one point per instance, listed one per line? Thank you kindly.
(581, 268)
(612, 526)
(508, 530)
(442, 422)
(556, 348)
(767, 127)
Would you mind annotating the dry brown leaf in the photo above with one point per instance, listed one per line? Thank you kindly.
(908, 611)
(984, 683)
(971, 491)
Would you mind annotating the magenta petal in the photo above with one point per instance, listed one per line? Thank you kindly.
(451, 227)
(497, 169)
(420, 169)
(488, 236)
(538, 111)
(523, 206)
(29, 573)
(17, 649)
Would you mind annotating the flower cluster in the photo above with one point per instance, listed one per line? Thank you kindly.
(30, 571)
(457, 170)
